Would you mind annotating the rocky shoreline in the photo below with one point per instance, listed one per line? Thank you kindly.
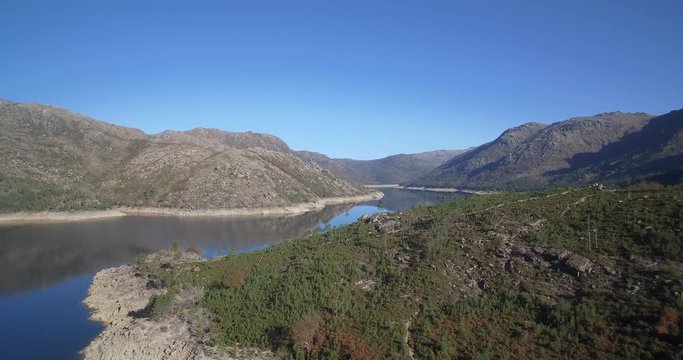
(281, 211)
(118, 298)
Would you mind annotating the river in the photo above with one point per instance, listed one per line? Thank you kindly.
(46, 268)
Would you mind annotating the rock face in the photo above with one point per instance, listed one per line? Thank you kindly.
(606, 147)
(577, 265)
(389, 223)
(118, 296)
(56, 160)
(566, 261)
(389, 170)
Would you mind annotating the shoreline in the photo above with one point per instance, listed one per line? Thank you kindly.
(117, 298)
(422, 188)
(58, 216)
(278, 211)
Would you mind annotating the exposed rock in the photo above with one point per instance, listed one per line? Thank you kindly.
(577, 265)
(383, 222)
(552, 254)
(564, 260)
(366, 284)
(402, 260)
(117, 297)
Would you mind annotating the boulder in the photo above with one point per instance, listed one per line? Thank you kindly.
(577, 265)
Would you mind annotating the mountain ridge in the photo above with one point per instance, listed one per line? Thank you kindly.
(392, 169)
(59, 160)
(575, 151)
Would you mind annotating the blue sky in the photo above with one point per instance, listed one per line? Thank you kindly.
(360, 79)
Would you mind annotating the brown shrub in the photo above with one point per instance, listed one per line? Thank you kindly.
(304, 330)
(668, 321)
(645, 185)
(346, 340)
(354, 346)
(235, 279)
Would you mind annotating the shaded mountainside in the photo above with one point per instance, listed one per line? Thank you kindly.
(389, 170)
(610, 147)
(54, 159)
(511, 275)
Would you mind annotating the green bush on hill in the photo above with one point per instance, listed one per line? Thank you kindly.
(22, 194)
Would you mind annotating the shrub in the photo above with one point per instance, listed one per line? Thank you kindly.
(668, 322)
(234, 280)
(160, 305)
(304, 330)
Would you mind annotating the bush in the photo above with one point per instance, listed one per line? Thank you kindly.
(160, 305)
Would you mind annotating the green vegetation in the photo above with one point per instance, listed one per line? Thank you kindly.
(159, 305)
(21, 194)
(470, 279)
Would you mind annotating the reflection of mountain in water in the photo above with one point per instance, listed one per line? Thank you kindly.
(400, 200)
(39, 255)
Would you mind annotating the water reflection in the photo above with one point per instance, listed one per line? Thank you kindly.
(401, 200)
(38, 255)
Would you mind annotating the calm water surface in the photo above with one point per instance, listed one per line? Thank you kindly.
(45, 269)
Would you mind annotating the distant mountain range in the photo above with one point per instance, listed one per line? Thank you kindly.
(612, 147)
(389, 170)
(54, 159)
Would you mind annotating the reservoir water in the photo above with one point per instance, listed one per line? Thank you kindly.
(45, 269)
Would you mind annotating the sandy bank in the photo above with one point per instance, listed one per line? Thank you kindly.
(291, 210)
(46, 216)
(421, 188)
(383, 186)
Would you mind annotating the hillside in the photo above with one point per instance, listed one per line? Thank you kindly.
(588, 273)
(389, 170)
(54, 159)
(610, 147)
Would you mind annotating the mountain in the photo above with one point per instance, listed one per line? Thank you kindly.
(239, 140)
(609, 147)
(54, 159)
(389, 170)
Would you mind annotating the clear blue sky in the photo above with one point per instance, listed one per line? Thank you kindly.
(360, 79)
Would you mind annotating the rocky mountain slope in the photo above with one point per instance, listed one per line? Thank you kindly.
(616, 147)
(389, 170)
(54, 159)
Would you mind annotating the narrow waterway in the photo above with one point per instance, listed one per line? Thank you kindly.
(45, 269)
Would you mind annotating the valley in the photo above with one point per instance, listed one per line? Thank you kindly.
(586, 273)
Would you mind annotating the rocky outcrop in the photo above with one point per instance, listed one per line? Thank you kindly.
(566, 261)
(577, 265)
(118, 298)
(389, 223)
